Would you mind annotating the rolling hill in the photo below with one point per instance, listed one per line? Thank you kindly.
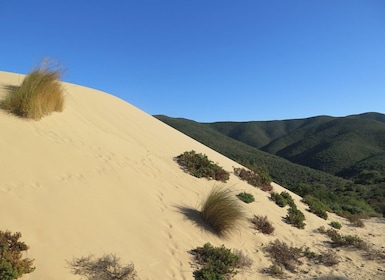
(335, 153)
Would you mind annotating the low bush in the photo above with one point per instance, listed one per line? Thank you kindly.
(336, 225)
(257, 178)
(200, 166)
(107, 267)
(262, 224)
(282, 199)
(328, 258)
(316, 206)
(355, 221)
(278, 199)
(295, 217)
(12, 265)
(216, 262)
(39, 94)
(246, 197)
(221, 211)
(339, 240)
(284, 255)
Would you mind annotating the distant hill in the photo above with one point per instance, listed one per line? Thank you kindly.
(322, 150)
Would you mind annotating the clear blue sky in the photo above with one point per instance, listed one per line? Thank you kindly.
(209, 60)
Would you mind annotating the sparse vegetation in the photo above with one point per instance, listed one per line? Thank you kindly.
(200, 166)
(221, 211)
(217, 263)
(39, 94)
(262, 224)
(107, 267)
(12, 265)
(284, 255)
(339, 240)
(336, 225)
(355, 221)
(246, 197)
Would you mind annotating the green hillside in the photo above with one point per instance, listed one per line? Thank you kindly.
(333, 158)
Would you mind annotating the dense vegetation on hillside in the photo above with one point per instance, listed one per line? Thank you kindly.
(341, 161)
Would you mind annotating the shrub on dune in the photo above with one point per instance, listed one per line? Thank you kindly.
(39, 94)
(221, 211)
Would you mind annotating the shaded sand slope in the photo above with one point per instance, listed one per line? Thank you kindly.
(100, 178)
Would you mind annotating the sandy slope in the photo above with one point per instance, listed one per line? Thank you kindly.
(100, 178)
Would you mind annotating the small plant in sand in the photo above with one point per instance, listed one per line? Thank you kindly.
(295, 217)
(336, 225)
(107, 267)
(284, 256)
(12, 265)
(316, 206)
(355, 221)
(246, 197)
(282, 199)
(262, 224)
(39, 94)
(221, 211)
(218, 263)
(200, 166)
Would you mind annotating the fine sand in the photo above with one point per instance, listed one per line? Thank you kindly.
(100, 178)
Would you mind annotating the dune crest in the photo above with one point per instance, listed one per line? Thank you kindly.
(100, 178)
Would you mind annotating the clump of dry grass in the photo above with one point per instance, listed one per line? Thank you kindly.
(262, 224)
(107, 267)
(284, 255)
(39, 94)
(221, 211)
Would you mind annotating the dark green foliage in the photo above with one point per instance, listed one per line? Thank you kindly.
(262, 224)
(316, 206)
(200, 166)
(107, 267)
(221, 211)
(336, 225)
(334, 191)
(278, 199)
(295, 217)
(12, 266)
(246, 197)
(282, 199)
(217, 262)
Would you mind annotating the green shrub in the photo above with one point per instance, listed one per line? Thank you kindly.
(221, 211)
(262, 224)
(288, 198)
(217, 262)
(316, 206)
(257, 178)
(336, 225)
(107, 267)
(295, 217)
(339, 240)
(39, 94)
(246, 197)
(282, 199)
(200, 166)
(12, 266)
(278, 199)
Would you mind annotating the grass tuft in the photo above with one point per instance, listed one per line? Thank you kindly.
(221, 211)
(39, 94)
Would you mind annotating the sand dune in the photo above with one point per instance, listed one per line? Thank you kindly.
(100, 178)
